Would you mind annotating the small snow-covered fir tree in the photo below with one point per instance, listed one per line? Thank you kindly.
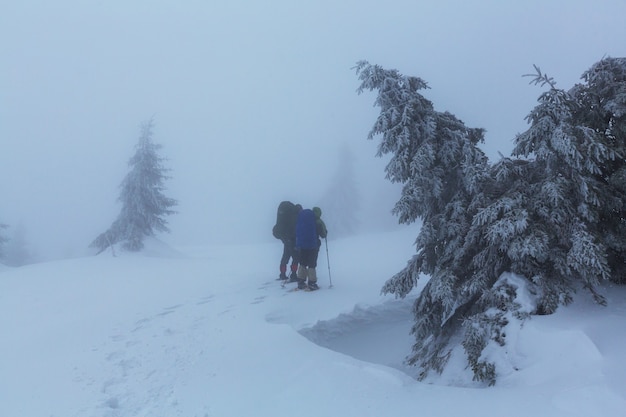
(144, 206)
(341, 201)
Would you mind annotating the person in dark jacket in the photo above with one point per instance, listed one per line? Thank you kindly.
(309, 229)
(285, 230)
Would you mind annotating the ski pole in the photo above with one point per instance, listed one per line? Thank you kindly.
(328, 263)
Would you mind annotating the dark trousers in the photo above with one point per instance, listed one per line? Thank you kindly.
(308, 257)
(289, 251)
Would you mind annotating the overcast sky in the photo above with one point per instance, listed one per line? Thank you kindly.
(252, 100)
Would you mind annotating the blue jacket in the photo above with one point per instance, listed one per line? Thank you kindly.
(306, 230)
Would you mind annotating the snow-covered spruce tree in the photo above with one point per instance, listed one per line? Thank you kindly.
(341, 201)
(436, 158)
(575, 148)
(144, 206)
(554, 216)
(602, 110)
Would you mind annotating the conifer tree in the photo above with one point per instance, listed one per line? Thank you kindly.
(557, 212)
(144, 206)
(601, 111)
(576, 149)
(436, 158)
(552, 213)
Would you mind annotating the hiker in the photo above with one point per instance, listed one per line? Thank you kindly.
(285, 230)
(309, 229)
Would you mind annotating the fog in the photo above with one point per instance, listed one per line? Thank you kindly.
(253, 101)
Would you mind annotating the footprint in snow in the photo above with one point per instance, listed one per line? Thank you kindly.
(169, 310)
(258, 300)
(205, 300)
(265, 285)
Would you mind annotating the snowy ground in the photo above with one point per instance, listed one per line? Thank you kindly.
(208, 331)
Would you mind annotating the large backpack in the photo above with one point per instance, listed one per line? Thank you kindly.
(306, 231)
(286, 216)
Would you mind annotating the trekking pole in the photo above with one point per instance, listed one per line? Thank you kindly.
(328, 263)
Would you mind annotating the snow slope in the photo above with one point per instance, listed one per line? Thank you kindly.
(208, 331)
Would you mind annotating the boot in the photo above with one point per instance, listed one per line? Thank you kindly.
(283, 270)
(294, 273)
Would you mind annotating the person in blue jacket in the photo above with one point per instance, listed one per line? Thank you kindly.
(309, 229)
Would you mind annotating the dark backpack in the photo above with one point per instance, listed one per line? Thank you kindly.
(286, 216)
